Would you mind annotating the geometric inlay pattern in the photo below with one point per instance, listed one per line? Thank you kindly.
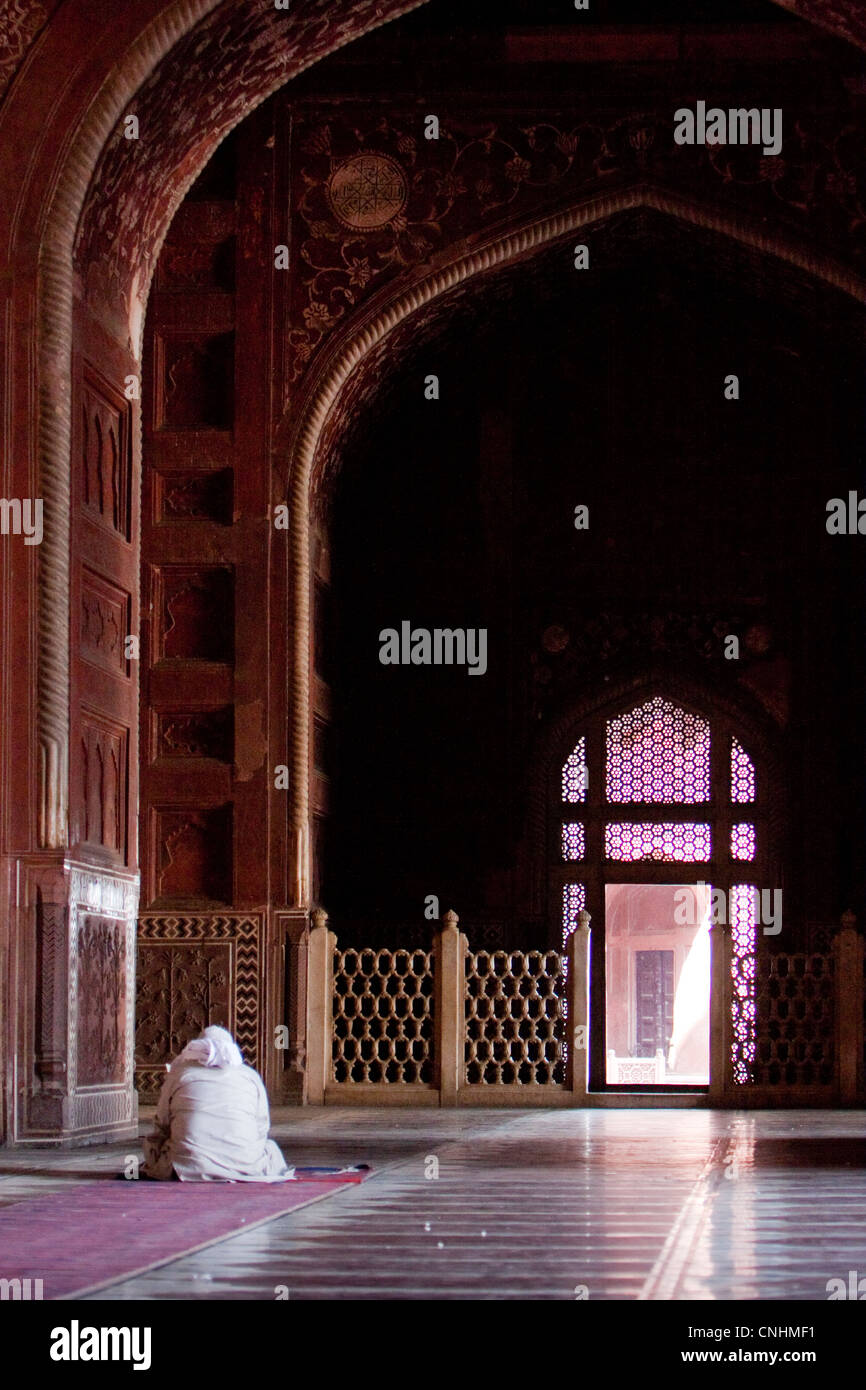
(383, 1016)
(515, 1027)
(368, 191)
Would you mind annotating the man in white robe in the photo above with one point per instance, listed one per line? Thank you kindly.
(212, 1119)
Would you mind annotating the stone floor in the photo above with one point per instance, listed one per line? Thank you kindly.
(597, 1204)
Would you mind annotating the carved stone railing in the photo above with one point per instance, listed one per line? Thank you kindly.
(449, 1026)
(810, 1011)
(446, 1026)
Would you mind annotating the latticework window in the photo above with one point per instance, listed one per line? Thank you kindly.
(658, 753)
(573, 902)
(574, 775)
(742, 774)
(743, 900)
(668, 841)
(573, 840)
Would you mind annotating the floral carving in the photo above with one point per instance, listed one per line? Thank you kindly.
(20, 22)
(480, 172)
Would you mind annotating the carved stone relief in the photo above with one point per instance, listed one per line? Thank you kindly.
(195, 970)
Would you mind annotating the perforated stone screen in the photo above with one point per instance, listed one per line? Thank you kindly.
(743, 976)
(383, 1016)
(574, 774)
(573, 902)
(668, 841)
(742, 775)
(658, 753)
(515, 1030)
(796, 1012)
(573, 840)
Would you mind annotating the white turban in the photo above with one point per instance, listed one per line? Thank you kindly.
(215, 1048)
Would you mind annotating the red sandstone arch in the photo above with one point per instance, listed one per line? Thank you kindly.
(354, 361)
(204, 66)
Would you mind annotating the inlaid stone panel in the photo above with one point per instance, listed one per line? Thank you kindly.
(101, 1041)
(194, 969)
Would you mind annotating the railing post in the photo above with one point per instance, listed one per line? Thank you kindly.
(848, 953)
(320, 1006)
(450, 1004)
(720, 1009)
(577, 994)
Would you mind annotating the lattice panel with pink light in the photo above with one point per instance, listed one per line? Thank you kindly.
(673, 841)
(515, 1029)
(796, 1012)
(383, 1016)
(743, 973)
(574, 774)
(573, 840)
(742, 775)
(573, 902)
(658, 753)
(743, 841)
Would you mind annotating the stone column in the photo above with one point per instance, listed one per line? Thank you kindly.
(577, 952)
(848, 954)
(295, 931)
(450, 1004)
(320, 1006)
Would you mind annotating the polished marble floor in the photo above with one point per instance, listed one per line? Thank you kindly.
(559, 1205)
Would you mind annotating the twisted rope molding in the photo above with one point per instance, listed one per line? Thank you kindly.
(350, 356)
(54, 320)
(54, 347)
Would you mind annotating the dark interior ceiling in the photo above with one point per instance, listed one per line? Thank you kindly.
(642, 260)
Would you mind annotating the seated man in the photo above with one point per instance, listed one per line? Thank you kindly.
(212, 1119)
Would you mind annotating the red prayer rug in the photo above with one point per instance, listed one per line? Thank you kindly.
(102, 1232)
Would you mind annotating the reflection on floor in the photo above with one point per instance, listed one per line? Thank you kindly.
(617, 1204)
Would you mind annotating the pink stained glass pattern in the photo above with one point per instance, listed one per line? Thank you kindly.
(668, 841)
(658, 753)
(573, 901)
(742, 841)
(573, 840)
(574, 774)
(742, 774)
(743, 912)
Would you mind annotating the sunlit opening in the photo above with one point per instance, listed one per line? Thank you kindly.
(657, 970)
